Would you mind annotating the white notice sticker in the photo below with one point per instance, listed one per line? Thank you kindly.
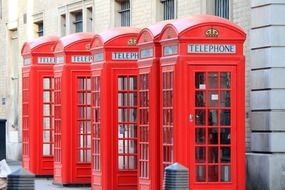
(202, 86)
(214, 97)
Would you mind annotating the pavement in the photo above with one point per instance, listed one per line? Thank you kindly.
(43, 183)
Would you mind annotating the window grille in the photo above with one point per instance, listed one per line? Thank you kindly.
(125, 13)
(168, 9)
(222, 8)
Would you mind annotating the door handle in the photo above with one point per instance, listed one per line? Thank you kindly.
(190, 118)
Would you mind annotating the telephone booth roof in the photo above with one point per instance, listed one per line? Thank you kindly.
(110, 37)
(152, 32)
(79, 42)
(190, 28)
(44, 44)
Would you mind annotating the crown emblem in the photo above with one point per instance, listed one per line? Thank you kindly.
(132, 42)
(87, 46)
(212, 32)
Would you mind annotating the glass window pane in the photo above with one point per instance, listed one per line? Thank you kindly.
(122, 99)
(200, 117)
(46, 83)
(213, 136)
(200, 154)
(225, 117)
(46, 96)
(200, 136)
(133, 83)
(225, 80)
(225, 136)
(200, 100)
(122, 131)
(226, 173)
(213, 97)
(46, 123)
(132, 146)
(212, 117)
(225, 99)
(225, 154)
(133, 99)
(121, 162)
(122, 115)
(213, 154)
(121, 146)
(213, 172)
(46, 110)
(213, 80)
(133, 115)
(46, 149)
(200, 82)
(200, 173)
(132, 131)
(46, 136)
(122, 83)
(132, 162)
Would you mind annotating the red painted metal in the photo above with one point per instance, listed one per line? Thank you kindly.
(114, 109)
(148, 80)
(72, 150)
(37, 103)
(202, 101)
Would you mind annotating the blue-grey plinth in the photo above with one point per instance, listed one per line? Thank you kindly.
(176, 177)
(21, 179)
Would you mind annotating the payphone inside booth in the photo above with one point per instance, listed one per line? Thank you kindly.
(149, 107)
(72, 120)
(202, 93)
(37, 105)
(114, 109)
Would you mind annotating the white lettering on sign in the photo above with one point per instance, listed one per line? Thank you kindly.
(27, 61)
(98, 57)
(124, 55)
(81, 59)
(170, 50)
(45, 60)
(212, 48)
(146, 53)
(60, 60)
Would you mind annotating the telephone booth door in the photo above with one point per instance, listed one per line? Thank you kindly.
(37, 96)
(73, 110)
(213, 127)
(115, 109)
(203, 101)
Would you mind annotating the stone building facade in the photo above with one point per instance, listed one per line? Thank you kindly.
(23, 20)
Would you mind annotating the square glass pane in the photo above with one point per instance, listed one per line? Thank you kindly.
(46, 83)
(213, 98)
(133, 99)
(200, 154)
(46, 149)
(200, 99)
(225, 135)
(225, 80)
(46, 123)
(122, 131)
(46, 96)
(213, 80)
(200, 135)
(121, 146)
(122, 99)
(46, 110)
(212, 117)
(122, 115)
(88, 84)
(133, 83)
(225, 98)
(200, 173)
(226, 173)
(132, 162)
(225, 154)
(213, 173)
(132, 115)
(132, 131)
(225, 117)
(46, 135)
(213, 136)
(213, 154)
(200, 82)
(121, 162)
(200, 117)
(132, 146)
(122, 83)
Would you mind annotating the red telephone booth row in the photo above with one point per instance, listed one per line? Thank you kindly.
(37, 102)
(115, 109)
(177, 103)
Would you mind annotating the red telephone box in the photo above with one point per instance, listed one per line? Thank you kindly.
(202, 101)
(114, 109)
(148, 80)
(72, 136)
(37, 105)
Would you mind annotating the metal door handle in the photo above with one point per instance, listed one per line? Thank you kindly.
(190, 118)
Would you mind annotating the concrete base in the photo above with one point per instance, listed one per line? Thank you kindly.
(265, 171)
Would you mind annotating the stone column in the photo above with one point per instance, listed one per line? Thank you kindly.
(266, 162)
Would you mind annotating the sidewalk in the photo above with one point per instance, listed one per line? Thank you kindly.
(43, 183)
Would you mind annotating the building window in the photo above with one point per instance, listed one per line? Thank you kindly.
(77, 21)
(63, 25)
(168, 9)
(222, 8)
(125, 13)
(40, 28)
(89, 19)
